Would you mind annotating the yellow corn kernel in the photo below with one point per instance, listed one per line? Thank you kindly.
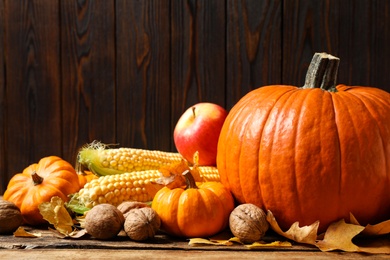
(104, 161)
(117, 189)
(130, 186)
(209, 173)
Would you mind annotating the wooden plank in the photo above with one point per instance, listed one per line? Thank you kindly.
(355, 31)
(33, 114)
(88, 74)
(161, 246)
(198, 44)
(364, 38)
(48, 240)
(3, 129)
(87, 254)
(253, 46)
(308, 27)
(143, 79)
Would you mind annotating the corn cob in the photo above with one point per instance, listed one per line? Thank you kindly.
(102, 161)
(130, 186)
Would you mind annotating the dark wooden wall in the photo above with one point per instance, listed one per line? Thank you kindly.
(123, 71)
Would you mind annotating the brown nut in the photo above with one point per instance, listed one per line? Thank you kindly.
(126, 206)
(10, 217)
(248, 223)
(104, 221)
(142, 223)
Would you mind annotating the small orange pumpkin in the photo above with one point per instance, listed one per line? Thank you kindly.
(85, 177)
(38, 183)
(194, 211)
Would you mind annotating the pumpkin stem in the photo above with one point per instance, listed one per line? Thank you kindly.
(322, 72)
(36, 178)
(190, 181)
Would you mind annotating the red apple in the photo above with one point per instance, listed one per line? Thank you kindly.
(198, 129)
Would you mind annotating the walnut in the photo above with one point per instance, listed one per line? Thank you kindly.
(104, 221)
(142, 223)
(10, 217)
(248, 223)
(126, 206)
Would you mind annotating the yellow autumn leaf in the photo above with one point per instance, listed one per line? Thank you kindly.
(271, 244)
(57, 215)
(339, 236)
(305, 234)
(21, 232)
(203, 241)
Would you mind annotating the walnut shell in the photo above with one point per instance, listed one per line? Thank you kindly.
(126, 206)
(104, 221)
(10, 217)
(142, 223)
(248, 223)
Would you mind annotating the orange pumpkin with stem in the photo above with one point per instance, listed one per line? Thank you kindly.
(85, 177)
(38, 183)
(194, 211)
(317, 152)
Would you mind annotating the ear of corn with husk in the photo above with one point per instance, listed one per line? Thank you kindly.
(101, 160)
(128, 174)
(131, 186)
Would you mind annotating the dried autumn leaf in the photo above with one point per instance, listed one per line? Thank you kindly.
(271, 244)
(373, 230)
(171, 175)
(374, 246)
(56, 214)
(75, 234)
(339, 236)
(21, 232)
(152, 188)
(203, 241)
(305, 234)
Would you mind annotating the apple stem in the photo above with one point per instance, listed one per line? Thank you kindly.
(193, 111)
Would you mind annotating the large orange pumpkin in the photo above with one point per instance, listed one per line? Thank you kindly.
(38, 183)
(318, 152)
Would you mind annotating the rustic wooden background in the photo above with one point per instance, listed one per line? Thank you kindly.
(123, 71)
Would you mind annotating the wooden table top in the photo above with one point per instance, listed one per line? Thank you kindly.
(48, 246)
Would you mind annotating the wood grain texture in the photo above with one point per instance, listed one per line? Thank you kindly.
(355, 31)
(143, 74)
(198, 45)
(123, 72)
(253, 46)
(88, 74)
(3, 129)
(364, 43)
(33, 105)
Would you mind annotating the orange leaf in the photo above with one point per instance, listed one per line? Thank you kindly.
(339, 236)
(306, 234)
(171, 175)
(153, 188)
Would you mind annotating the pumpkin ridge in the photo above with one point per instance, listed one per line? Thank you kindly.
(248, 193)
(272, 128)
(213, 211)
(227, 154)
(353, 140)
(368, 104)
